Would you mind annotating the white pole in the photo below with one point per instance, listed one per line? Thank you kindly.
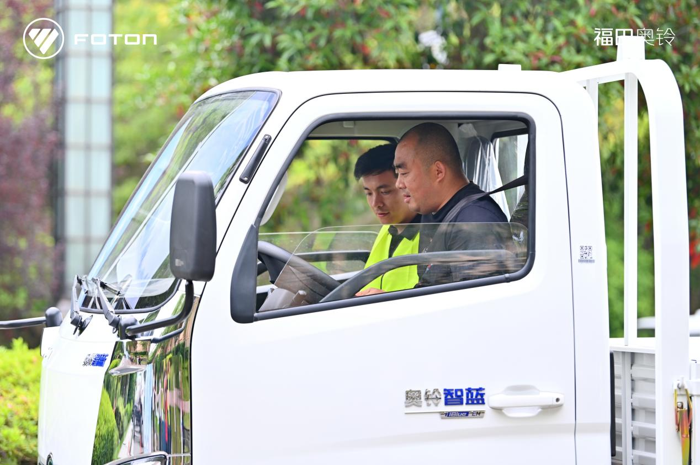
(592, 88)
(630, 205)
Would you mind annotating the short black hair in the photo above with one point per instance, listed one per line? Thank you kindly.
(435, 143)
(376, 160)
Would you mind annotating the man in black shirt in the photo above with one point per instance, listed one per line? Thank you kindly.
(429, 174)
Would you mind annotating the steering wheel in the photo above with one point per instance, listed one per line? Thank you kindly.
(503, 259)
(353, 285)
(302, 274)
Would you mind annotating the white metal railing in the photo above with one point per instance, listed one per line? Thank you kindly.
(669, 203)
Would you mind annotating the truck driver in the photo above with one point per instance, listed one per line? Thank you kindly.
(399, 234)
(430, 177)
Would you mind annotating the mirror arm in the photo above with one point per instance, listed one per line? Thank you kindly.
(131, 329)
(52, 317)
(165, 337)
(24, 323)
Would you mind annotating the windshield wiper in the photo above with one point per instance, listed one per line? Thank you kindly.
(119, 291)
(99, 299)
(119, 323)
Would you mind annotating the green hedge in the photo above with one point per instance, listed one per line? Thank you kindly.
(20, 377)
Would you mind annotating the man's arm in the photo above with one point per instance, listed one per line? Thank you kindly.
(476, 228)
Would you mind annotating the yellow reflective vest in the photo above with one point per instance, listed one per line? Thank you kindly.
(399, 278)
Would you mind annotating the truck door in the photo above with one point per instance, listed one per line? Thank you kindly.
(479, 370)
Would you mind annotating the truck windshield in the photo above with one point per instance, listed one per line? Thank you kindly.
(212, 137)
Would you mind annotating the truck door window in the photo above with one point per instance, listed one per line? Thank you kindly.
(328, 239)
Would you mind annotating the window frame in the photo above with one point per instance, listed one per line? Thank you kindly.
(237, 300)
(509, 133)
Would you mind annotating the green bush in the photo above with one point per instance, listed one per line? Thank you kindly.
(20, 377)
(106, 440)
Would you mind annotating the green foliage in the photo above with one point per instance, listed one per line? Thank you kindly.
(152, 89)
(242, 37)
(28, 147)
(201, 44)
(20, 376)
(614, 231)
(106, 438)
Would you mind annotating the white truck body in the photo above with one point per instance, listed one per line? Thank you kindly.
(331, 385)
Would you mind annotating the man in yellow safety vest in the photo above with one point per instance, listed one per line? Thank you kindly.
(399, 234)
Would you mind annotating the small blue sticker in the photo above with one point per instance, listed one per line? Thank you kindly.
(467, 414)
(95, 360)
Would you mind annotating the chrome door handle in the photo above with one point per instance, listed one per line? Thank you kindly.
(524, 401)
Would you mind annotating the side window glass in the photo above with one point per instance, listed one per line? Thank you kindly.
(321, 192)
(511, 156)
(357, 217)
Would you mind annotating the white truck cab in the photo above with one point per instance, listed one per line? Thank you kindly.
(215, 328)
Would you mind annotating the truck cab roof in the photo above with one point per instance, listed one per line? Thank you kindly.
(307, 84)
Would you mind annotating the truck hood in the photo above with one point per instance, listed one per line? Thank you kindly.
(72, 376)
(104, 399)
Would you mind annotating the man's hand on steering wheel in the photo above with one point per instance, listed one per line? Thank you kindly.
(370, 291)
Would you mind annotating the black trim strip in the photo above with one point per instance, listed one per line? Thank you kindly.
(255, 160)
(613, 448)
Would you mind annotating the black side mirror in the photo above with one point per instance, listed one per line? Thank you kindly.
(193, 228)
